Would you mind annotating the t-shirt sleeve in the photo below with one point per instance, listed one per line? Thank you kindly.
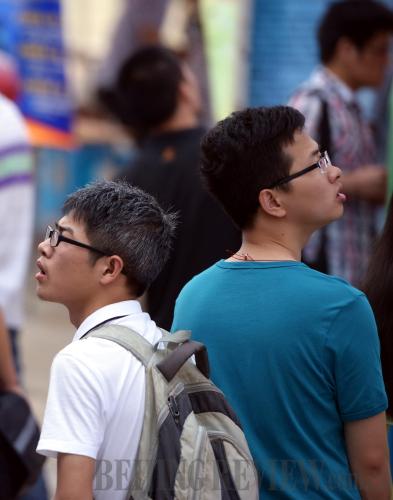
(179, 313)
(75, 414)
(354, 345)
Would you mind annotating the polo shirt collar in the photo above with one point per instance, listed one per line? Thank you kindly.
(124, 308)
(335, 84)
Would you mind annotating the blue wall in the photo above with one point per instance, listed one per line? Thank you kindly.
(59, 173)
(283, 47)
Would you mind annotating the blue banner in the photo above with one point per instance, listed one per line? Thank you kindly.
(8, 16)
(40, 53)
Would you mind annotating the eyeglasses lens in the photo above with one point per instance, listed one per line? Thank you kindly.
(54, 238)
(52, 234)
(324, 163)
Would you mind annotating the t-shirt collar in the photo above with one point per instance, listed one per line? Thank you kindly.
(335, 84)
(124, 308)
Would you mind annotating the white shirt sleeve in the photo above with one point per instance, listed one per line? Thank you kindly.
(76, 414)
(16, 210)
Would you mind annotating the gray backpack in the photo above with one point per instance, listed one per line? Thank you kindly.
(192, 446)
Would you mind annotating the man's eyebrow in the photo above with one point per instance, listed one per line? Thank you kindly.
(316, 152)
(63, 228)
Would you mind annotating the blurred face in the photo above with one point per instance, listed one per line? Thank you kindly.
(314, 199)
(66, 272)
(368, 64)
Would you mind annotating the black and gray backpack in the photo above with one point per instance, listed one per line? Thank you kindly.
(192, 446)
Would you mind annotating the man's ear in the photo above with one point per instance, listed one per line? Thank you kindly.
(111, 268)
(270, 203)
(345, 49)
(184, 91)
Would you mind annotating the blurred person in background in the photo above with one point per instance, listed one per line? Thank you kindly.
(157, 98)
(8, 377)
(353, 37)
(170, 22)
(378, 286)
(16, 223)
(138, 25)
(17, 216)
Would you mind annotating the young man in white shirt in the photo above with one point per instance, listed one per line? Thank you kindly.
(103, 253)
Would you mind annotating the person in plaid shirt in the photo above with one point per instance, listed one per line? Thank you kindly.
(353, 39)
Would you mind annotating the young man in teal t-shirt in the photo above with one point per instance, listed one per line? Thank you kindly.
(295, 351)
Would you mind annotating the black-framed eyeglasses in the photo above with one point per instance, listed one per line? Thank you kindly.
(323, 164)
(55, 237)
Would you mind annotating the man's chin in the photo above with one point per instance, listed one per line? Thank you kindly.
(336, 216)
(327, 221)
(340, 214)
(43, 295)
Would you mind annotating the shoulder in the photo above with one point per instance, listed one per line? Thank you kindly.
(325, 296)
(94, 359)
(351, 318)
(309, 102)
(342, 315)
(91, 348)
(205, 276)
(310, 95)
(201, 281)
(332, 288)
(316, 86)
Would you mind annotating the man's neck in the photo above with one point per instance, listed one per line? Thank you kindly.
(264, 243)
(180, 120)
(79, 312)
(341, 72)
(267, 250)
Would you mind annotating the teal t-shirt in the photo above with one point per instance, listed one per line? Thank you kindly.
(297, 354)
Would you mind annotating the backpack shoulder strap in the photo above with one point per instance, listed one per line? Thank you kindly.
(324, 128)
(127, 338)
(173, 339)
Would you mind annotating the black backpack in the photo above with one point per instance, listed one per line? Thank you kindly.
(20, 465)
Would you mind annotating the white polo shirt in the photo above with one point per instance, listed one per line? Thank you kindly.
(96, 400)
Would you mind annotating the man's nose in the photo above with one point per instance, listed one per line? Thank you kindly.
(44, 248)
(334, 173)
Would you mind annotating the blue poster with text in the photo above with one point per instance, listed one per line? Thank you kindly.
(40, 54)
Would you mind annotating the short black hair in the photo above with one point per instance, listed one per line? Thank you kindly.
(244, 153)
(146, 91)
(123, 220)
(357, 20)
